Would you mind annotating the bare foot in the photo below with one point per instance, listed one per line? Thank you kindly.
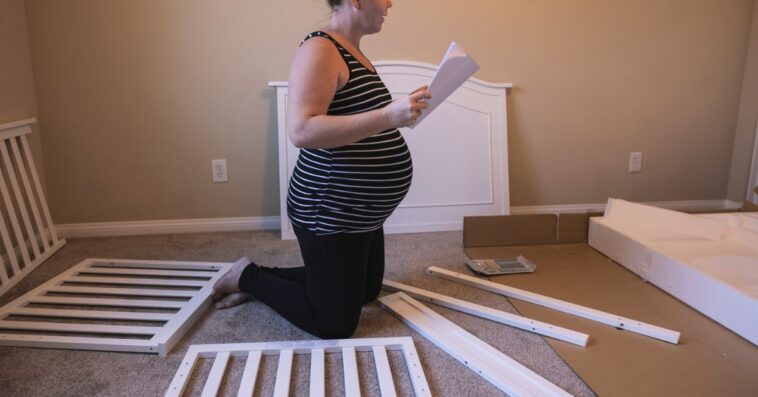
(226, 290)
(233, 299)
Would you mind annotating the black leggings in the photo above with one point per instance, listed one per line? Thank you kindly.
(342, 272)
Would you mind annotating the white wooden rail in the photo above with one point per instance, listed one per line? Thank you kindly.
(613, 320)
(493, 365)
(528, 324)
(169, 295)
(26, 228)
(316, 349)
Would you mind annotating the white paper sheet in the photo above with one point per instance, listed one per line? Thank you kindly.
(456, 67)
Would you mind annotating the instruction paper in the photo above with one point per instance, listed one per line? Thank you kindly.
(456, 67)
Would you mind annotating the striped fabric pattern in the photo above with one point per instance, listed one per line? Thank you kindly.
(353, 188)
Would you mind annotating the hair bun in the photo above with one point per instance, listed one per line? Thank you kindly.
(334, 3)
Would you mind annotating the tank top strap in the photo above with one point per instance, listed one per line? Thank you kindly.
(344, 53)
(325, 35)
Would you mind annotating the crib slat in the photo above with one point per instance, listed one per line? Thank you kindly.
(352, 385)
(11, 211)
(318, 388)
(20, 205)
(213, 383)
(283, 374)
(9, 249)
(3, 273)
(143, 303)
(383, 372)
(32, 204)
(38, 186)
(250, 374)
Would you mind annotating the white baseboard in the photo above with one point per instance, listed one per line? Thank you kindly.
(692, 205)
(734, 205)
(104, 229)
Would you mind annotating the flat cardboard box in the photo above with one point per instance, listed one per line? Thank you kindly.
(710, 360)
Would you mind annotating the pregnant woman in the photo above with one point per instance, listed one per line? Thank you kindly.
(353, 170)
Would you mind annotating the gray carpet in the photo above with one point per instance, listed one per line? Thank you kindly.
(48, 372)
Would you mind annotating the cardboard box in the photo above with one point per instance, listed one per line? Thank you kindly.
(748, 206)
(710, 360)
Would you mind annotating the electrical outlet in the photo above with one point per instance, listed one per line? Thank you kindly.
(635, 162)
(218, 167)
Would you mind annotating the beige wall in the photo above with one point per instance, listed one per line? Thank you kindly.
(742, 155)
(136, 97)
(17, 100)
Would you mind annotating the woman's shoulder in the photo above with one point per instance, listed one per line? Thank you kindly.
(318, 51)
(318, 34)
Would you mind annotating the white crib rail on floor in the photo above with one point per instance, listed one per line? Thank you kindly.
(78, 308)
(286, 350)
(27, 230)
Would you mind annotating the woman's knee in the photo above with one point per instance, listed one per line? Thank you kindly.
(337, 329)
(371, 295)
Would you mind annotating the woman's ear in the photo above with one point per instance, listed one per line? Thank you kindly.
(356, 4)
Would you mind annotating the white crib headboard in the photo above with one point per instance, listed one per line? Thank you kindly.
(460, 153)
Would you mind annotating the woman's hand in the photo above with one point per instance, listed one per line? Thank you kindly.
(403, 112)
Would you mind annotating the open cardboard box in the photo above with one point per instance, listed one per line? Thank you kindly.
(747, 206)
(710, 360)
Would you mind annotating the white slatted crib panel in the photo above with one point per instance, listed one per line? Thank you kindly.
(113, 305)
(316, 349)
(26, 228)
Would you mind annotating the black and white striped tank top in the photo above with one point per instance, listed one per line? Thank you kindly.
(353, 188)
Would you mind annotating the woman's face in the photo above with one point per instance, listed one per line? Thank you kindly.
(373, 13)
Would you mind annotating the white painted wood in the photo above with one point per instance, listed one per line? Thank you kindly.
(150, 272)
(179, 383)
(383, 372)
(415, 369)
(3, 272)
(502, 317)
(10, 209)
(613, 320)
(283, 374)
(13, 128)
(463, 142)
(160, 339)
(16, 277)
(491, 364)
(20, 237)
(92, 314)
(170, 293)
(29, 238)
(136, 281)
(172, 265)
(350, 366)
(38, 187)
(318, 374)
(250, 374)
(316, 348)
(83, 328)
(141, 303)
(30, 194)
(216, 376)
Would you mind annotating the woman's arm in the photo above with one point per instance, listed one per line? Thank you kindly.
(317, 73)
